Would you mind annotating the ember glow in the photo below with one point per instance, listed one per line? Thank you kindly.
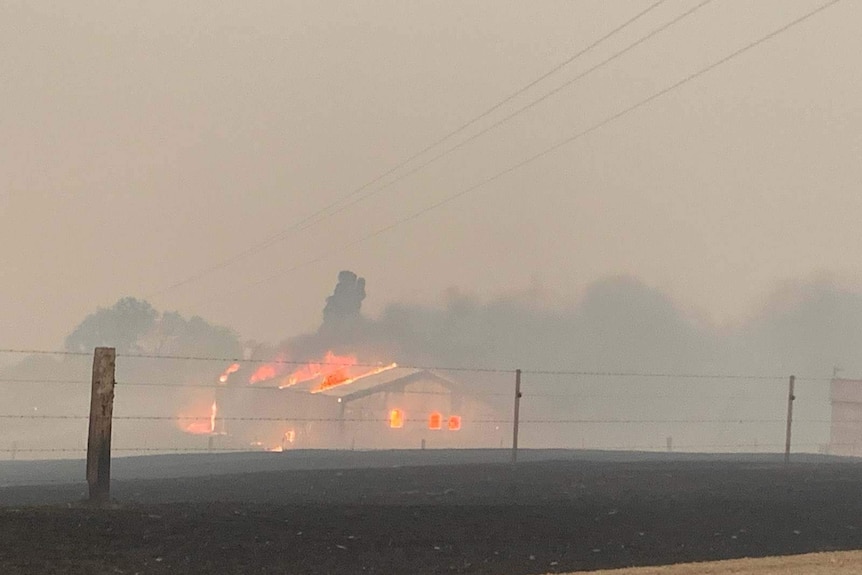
(333, 369)
(232, 369)
(213, 414)
(396, 419)
(435, 421)
(264, 373)
(331, 382)
(199, 423)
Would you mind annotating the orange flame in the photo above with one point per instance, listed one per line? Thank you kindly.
(263, 373)
(232, 369)
(396, 419)
(213, 414)
(333, 369)
(435, 420)
(331, 382)
(199, 424)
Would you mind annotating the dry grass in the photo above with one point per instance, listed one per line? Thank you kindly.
(843, 563)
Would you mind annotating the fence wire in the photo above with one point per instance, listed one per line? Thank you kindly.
(176, 404)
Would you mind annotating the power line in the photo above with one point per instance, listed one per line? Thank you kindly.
(558, 145)
(517, 112)
(302, 224)
(524, 108)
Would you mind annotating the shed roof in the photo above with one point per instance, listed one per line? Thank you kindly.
(392, 380)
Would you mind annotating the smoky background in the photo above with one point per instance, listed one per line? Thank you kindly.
(625, 368)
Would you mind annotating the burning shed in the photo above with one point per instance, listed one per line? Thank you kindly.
(409, 408)
(387, 407)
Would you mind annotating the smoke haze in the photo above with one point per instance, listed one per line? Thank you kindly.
(145, 142)
(661, 355)
(598, 255)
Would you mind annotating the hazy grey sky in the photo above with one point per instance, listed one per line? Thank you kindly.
(145, 141)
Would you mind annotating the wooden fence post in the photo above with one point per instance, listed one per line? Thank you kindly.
(101, 413)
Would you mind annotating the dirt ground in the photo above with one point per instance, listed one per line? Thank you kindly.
(843, 563)
(541, 517)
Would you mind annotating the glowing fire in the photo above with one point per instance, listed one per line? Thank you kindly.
(263, 373)
(333, 368)
(331, 382)
(269, 370)
(288, 437)
(454, 422)
(213, 414)
(435, 421)
(199, 424)
(396, 419)
(232, 369)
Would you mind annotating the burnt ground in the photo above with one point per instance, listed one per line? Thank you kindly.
(542, 516)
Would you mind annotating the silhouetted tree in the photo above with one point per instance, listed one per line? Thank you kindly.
(120, 326)
(133, 326)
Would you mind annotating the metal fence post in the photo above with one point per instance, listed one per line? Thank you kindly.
(515, 424)
(790, 398)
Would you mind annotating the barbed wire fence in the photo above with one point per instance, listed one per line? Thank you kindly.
(176, 404)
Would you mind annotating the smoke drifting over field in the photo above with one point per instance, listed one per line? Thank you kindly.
(620, 325)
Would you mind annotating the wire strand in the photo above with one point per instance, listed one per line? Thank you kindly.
(595, 127)
(618, 447)
(323, 213)
(416, 367)
(524, 108)
(45, 352)
(384, 419)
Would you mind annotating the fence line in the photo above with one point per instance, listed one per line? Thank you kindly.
(51, 381)
(271, 388)
(477, 369)
(734, 420)
(616, 447)
(45, 352)
(616, 426)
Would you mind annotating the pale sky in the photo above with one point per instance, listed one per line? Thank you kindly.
(145, 141)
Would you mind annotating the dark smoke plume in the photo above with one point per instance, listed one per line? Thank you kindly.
(343, 308)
